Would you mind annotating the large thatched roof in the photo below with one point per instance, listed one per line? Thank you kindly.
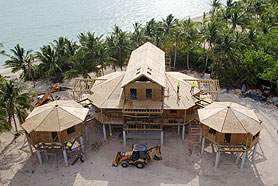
(108, 90)
(148, 61)
(55, 116)
(228, 117)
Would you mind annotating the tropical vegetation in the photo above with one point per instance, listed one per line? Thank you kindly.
(236, 43)
(14, 104)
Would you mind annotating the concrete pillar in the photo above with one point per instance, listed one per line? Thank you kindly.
(179, 130)
(86, 133)
(161, 138)
(39, 156)
(203, 145)
(124, 137)
(217, 159)
(243, 160)
(65, 155)
(237, 157)
(183, 132)
(104, 132)
(254, 152)
(45, 153)
(110, 130)
(30, 147)
(82, 143)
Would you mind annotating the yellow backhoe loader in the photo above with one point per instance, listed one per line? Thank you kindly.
(139, 156)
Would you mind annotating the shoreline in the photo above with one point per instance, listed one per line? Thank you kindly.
(9, 75)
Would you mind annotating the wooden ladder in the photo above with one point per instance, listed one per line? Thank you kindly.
(195, 135)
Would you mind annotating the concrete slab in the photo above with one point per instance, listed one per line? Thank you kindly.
(149, 135)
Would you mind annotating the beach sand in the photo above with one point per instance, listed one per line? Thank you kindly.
(178, 168)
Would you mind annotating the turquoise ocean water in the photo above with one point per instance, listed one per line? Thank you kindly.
(33, 23)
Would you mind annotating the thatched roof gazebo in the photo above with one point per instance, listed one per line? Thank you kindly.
(53, 124)
(232, 127)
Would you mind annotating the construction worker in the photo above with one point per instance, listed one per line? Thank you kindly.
(193, 84)
(69, 145)
(178, 87)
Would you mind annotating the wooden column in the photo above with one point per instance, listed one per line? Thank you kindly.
(86, 133)
(243, 160)
(237, 157)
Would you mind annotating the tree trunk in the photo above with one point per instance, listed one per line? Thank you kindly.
(206, 64)
(14, 123)
(175, 58)
(187, 60)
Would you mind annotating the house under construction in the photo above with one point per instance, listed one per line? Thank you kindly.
(145, 97)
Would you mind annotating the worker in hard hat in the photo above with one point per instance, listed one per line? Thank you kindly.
(178, 87)
(193, 84)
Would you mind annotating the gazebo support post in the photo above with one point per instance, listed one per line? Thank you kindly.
(237, 157)
(243, 160)
(203, 145)
(183, 132)
(45, 153)
(254, 152)
(86, 133)
(65, 155)
(161, 138)
(110, 130)
(104, 132)
(30, 147)
(82, 143)
(39, 156)
(217, 159)
(124, 137)
(179, 129)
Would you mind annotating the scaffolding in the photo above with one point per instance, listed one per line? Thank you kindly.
(207, 87)
(81, 86)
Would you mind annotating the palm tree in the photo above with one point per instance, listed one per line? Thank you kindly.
(190, 36)
(4, 125)
(122, 48)
(14, 103)
(18, 61)
(137, 36)
(168, 24)
(209, 33)
(50, 62)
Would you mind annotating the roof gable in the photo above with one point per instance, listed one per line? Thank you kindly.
(147, 60)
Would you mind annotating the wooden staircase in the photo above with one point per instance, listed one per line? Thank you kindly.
(195, 135)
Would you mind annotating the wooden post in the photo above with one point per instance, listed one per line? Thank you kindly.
(203, 145)
(82, 143)
(104, 132)
(217, 159)
(30, 147)
(237, 157)
(124, 137)
(179, 129)
(183, 132)
(39, 156)
(161, 138)
(86, 133)
(254, 152)
(65, 155)
(243, 160)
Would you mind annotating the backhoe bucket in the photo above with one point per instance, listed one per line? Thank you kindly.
(117, 158)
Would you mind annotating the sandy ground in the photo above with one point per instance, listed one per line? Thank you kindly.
(178, 168)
